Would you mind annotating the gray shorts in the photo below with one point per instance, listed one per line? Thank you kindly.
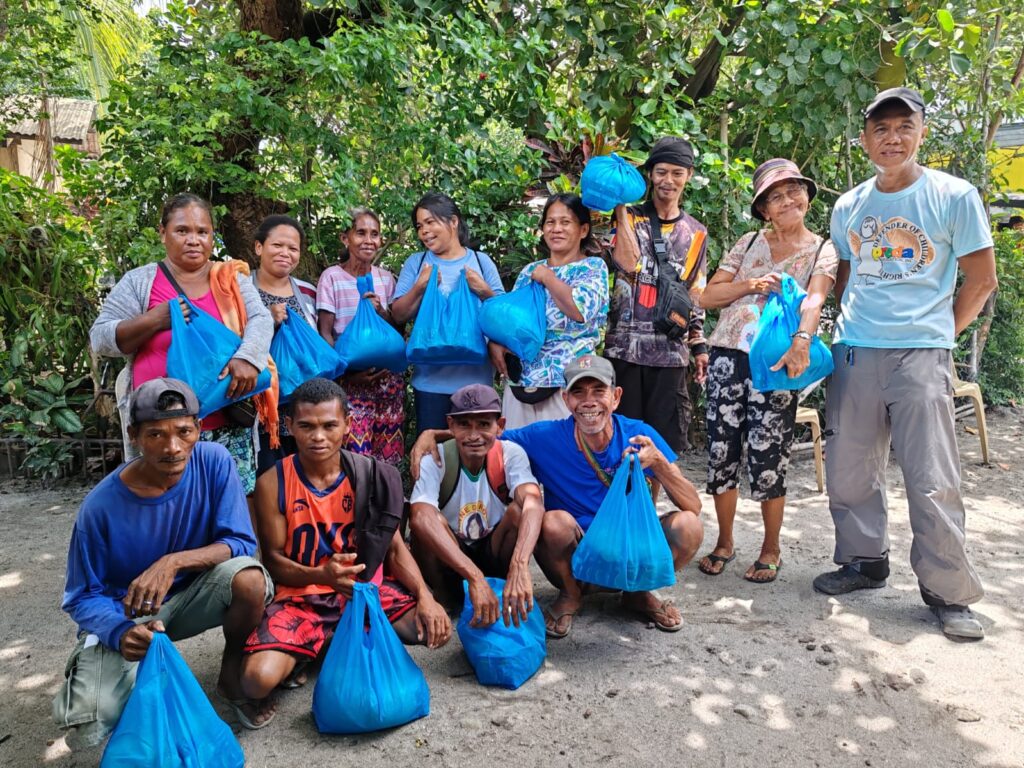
(98, 679)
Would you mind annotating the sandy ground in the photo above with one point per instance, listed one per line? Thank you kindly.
(760, 675)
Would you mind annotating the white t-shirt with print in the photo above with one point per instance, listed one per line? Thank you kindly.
(474, 510)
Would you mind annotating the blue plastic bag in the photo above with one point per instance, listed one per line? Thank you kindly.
(500, 655)
(301, 354)
(447, 329)
(168, 721)
(517, 320)
(368, 681)
(779, 320)
(608, 180)
(625, 547)
(370, 341)
(200, 348)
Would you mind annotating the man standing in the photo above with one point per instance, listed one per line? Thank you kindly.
(479, 514)
(901, 236)
(650, 366)
(163, 544)
(574, 459)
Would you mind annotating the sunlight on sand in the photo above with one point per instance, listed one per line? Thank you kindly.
(725, 603)
(13, 650)
(695, 741)
(32, 681)
(56, 751)
(703, 708)
(878, 724)
(12, 579)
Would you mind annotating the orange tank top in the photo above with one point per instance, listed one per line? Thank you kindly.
(319, 523)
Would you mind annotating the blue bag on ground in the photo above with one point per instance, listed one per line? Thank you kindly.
(301, 354)
(500, 655)
(779, 320)
(447, 329)
(608, 180)
(517, 320)
(200, 348)
(625, 546)
(370, 341)
(168, 722)
(368, 681)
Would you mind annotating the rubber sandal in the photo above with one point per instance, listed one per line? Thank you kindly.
(759, 566)
(715, 560)
(293, 680)
(235, 705)
(656, 616)
(551, 622)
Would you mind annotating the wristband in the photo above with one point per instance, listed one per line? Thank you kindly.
(802, 335)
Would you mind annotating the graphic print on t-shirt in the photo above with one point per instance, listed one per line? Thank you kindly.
(473, 521)
(893, 249)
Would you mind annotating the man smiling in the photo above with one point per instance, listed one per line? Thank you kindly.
(902, 236)
(574, 460)
(163, 544)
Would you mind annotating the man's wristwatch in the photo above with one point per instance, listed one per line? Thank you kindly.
(802, 335)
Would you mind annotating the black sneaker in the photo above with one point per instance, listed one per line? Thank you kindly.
(846, 579)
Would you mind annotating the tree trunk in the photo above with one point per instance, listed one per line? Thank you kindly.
(278, 20)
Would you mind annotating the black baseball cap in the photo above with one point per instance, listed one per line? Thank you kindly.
(143, 403)
(907, 96)
(589, 367)
(474, 398)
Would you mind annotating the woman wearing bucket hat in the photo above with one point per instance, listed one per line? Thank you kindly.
(651, 362)
(736, 412)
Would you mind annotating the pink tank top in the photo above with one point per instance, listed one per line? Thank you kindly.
(151, 358)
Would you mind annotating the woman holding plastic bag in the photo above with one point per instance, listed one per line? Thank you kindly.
(135, 322)
(738, 414)
(376, 396)
(442, 230)
(278, 243)
(576, 309)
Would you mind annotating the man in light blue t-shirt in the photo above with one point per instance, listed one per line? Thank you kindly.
(901, 237)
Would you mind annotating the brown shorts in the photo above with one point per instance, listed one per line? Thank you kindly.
(301, 625)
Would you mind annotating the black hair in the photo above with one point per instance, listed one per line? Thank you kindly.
(183, 200)
(316, 391)
(272, 222)
(170, 401)
(444, 208)
(575, 205)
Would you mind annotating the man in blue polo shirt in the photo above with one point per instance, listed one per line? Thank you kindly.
(163, 544)
(574, 460)
(902, 237)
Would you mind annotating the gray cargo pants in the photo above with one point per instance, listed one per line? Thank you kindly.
(905, 395)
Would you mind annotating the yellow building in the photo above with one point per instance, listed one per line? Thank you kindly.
(1007, 158)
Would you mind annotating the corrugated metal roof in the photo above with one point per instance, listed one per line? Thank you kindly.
(1010, 135)
(70, 122)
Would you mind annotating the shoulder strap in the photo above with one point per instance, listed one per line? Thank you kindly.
(494, 464)
(750, 243)
(450, 451)
(657, 240)
(170, 278)
(359, 471)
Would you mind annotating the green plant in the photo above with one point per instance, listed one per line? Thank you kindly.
(1001, 373)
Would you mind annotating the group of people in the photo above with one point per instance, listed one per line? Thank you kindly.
(166, 542)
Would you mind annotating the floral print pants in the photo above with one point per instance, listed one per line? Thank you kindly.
(737, 414)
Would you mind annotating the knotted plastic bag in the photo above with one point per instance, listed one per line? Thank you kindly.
(625, 546)
(608, 180)
(370, 341)
(779, 320)
(447, 329)
(500, 655)
(200, 348)
(517, 320)
(368, 681)
(168, 721)
(302, 354)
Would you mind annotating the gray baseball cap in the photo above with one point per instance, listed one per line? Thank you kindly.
(589, 367)
(474, 398)
(143, 403)
(907, 96)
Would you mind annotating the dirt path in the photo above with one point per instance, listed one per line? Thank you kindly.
(759, 676)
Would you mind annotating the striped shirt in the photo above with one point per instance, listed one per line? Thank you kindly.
(336, 292)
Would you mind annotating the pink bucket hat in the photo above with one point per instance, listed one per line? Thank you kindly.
(771, 172)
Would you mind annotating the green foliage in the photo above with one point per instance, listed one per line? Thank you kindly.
(1001, 373)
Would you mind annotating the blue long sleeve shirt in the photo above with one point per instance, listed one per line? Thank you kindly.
(119, 534)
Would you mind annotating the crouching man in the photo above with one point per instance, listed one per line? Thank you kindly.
(479, 513)
(326, 517)
(163, 544)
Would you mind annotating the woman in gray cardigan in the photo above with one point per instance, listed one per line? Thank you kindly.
(135, 322)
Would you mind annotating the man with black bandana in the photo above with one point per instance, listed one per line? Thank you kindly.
(651, 367)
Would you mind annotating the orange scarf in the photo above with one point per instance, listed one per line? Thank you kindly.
(227, 294)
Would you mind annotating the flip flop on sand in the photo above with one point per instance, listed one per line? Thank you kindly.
(238, 707)
(714, 561)
(660, 616)
(552, 622)
(297, 678)
(759, 566)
